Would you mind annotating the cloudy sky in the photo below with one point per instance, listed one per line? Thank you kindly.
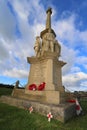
(22, 20)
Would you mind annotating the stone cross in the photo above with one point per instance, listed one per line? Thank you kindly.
(49, 115)
(48, 20)
(31, 109)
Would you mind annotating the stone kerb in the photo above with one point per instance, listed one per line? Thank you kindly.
(61, 112)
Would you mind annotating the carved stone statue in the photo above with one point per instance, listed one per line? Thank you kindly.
(45, 43)
(48, 42)
(51, 38)
(57, 48)
(37, 46)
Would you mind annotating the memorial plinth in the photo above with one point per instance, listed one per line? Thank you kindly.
(46, 68)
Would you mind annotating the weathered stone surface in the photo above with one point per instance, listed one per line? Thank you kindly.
(48, 97)
(46, 67)
(61, 112)
(37, 46)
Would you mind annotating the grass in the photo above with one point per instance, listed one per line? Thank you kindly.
(13, 118)
(5, 91)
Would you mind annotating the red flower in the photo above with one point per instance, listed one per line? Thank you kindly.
(77, 107)
(72, 101)
(41, 86)
(32, 87)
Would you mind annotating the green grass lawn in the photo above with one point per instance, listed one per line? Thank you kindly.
(5, 91)
(13, 118)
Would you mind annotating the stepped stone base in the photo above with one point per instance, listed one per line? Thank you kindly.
(49, 97)
(61, 112)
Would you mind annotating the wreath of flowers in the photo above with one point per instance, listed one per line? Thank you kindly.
(78, 107)
(72, 101)
(41, 87)
(32, 87)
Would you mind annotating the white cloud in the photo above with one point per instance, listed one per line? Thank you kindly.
(68, 33)
(75, 81)
(37, 29)
(3, 51)
(14, 51)
(83, 36)
(84, 83)
(65, 29)
(82, 59)
(70, 38)
(75, 69)
(16, 73)
(30, 18)
(7, 22)
(85, 66)
(68, 56)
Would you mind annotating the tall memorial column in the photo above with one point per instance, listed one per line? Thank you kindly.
(44, 90)
(45, 66)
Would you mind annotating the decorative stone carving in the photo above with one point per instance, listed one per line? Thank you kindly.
(57, 48)
(49, 43)
(45, 43)
(37, 46)
(51, 38)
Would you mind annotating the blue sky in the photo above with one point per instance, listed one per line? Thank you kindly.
(22, 20)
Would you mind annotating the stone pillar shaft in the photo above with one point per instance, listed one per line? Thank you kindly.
(48, 21)
(49, 75)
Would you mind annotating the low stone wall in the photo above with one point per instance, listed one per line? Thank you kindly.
(61, 112)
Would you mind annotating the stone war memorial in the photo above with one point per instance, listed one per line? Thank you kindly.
(45, 67)
(44, 90)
